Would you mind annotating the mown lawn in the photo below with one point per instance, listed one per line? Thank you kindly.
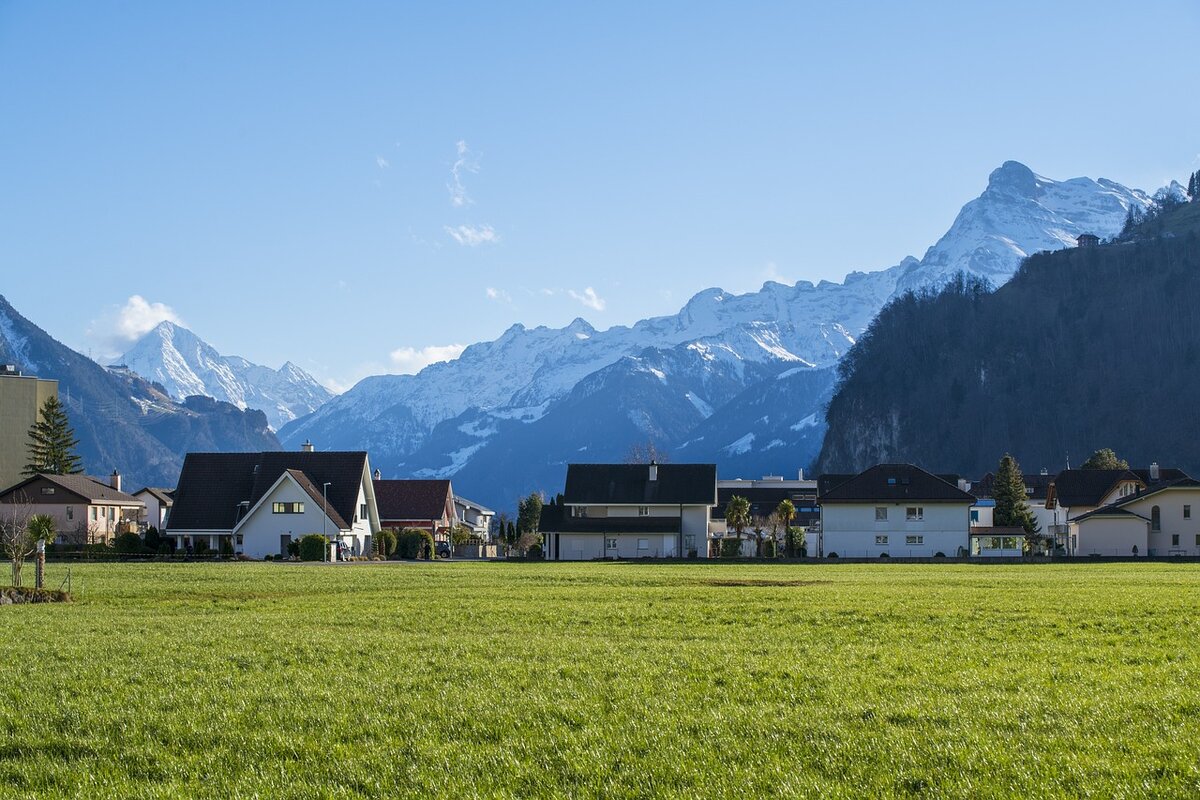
(613, 680)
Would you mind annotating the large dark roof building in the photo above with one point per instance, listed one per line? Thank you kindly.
(215, 489)
(896, 483)
(641, 484)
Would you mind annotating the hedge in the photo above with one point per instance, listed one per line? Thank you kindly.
(313, 547)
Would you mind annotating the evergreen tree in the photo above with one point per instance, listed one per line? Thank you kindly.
(1104, 458)
(1012, 507)
(52, 443)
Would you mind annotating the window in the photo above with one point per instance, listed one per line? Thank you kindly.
(47, 490)
(1155, 519)
(914, 513)
(689, 541)
(643, 511)
(880, 540)
(881, 513)
(643, 544)
(239, 540)
(70, 512)
(578, 511)
(914, 540)
(1010, 543)
(93, 513)
(990, 543)
(1175, 540)
(1187, 512)
(362, 511)
(287, 508)
(974, 515)
(1198, 540)
(610, 544)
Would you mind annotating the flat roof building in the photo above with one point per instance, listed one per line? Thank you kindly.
(21, 398)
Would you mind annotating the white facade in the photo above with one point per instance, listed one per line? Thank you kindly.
(913, 529)
(627, 541)
(1161, 523)
(266, 530)
(474, 516)
(587, 546)
(156, 512)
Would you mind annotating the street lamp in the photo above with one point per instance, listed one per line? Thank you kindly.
(325, 513)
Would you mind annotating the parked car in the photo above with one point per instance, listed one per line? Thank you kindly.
(442, 549)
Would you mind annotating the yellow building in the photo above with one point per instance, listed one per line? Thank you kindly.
(21, 397)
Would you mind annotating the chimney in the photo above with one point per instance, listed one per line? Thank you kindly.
(378, 475)
(653, 471)
(114, 480)
(307, 447)
(1154, 470)
(802, 473)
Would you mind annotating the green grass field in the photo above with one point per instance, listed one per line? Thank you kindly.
(614, 680)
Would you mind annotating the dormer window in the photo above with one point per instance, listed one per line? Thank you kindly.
(578, 511)
(643, 511)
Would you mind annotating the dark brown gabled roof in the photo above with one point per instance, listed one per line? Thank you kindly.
(88, 489)
(831, 479)
(896, 483)
(1072, 488)
(630, 484)
(413, 499)
(311, 489)
(212, 485)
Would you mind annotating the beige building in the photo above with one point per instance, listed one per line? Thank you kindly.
(21, 398)
(84, 510)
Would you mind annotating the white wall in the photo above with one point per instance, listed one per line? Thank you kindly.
(1111, 536)
(262, 531)
(585, 546)
(1171, 504)
(850, 529)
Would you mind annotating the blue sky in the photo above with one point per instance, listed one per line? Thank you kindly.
(361, 187)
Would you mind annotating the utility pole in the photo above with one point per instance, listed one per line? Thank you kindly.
(325, 515)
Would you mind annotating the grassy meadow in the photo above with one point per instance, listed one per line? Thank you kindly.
(604, 680)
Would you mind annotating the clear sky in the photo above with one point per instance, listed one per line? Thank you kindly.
(360, 187)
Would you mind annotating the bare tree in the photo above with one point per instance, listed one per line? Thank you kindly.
(16, 540)
(645, 452)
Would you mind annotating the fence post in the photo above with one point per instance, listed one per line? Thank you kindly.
(39, 571)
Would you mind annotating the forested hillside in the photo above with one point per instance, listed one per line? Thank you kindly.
(1083, 348)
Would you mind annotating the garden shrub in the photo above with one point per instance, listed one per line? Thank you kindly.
(152, 539)
(226, 547)
(293, 548)
(414, 543)
(312, 547)
(534, 552)
(731, 548)
(385, 542)
(770, 549)
(128, 543)
(884, 555)
(833, 555)
(939, 554)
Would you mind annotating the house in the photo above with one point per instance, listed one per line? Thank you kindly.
(257, 503)
(897, 509)
(158, 503)
(1037, 486)
(425, 504)
(1087, 240)
(21, 401)
(1075, 492)
(85, 510)
(1155, 521)
(764, 497)
(475, 516)
(632, 511)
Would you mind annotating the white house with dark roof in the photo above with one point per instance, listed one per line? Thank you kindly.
(475, 516)
(1160, 520)
(260, 502)
(631, 511)
(897, 509)
(1075, 493)
(158, 504)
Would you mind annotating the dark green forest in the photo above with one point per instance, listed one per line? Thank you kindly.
(1084, 348)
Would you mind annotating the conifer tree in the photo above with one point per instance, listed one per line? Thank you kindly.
(1012, 507)
(1104, 458)
(52, 443)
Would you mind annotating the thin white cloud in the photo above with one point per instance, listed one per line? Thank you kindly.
(473, 235)
(498, 295)
(382, 162)
(588, 297)
(465, 163)
(411, 360)
(772, 273)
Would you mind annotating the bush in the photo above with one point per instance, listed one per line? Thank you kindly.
(833, 555)
(201, 547)
(128, 543)
(884, 555)
(226, 546)
(731, 548)
(939, 554)
(535, 552)
(692, 553)
(414, 543)
(152, 538)
(165, 548)
(770, 549)
(293, 548)
(385, 542)
(312, 547)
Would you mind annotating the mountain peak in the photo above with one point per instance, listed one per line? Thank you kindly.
(1015, 177)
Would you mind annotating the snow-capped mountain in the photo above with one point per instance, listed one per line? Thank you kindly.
(121, 420)
(523, 397)
(186, 365)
